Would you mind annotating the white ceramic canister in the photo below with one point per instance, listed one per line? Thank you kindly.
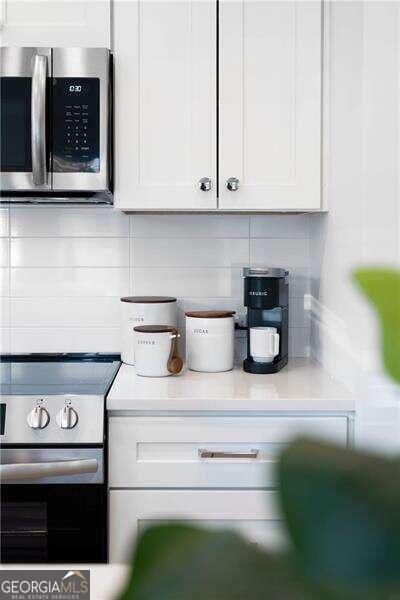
(210, 340)
(144, 310)
(156, 351)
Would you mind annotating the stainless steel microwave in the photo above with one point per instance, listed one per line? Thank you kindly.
(56, 124)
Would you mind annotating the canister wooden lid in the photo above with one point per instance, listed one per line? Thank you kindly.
(148, 299)
(210, 314)
(154, 329)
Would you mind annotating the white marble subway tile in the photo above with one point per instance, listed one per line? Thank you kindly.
(299, 341)
(4, 252)
(204, 283)
(299, 283)
(299, 316)
(283, 253)
(68, 221)
(187, 282)
(4, 281)
(65, 339)
(5, 340)
(190, 253)
(190, 226)
(69, 252)
(279, 226)
(5, 312)
(47, 282)
(4, 222)
(71, 312)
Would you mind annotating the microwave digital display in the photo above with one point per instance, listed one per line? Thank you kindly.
(78, 88)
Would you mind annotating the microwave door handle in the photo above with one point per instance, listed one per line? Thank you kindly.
(17, 471)
(38, 119)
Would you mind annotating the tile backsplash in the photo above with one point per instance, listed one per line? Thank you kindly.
(63, 270)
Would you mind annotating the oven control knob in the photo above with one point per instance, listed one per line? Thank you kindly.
(67, 417)
(38, 418)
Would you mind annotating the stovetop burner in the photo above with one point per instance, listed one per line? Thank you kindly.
(57, 374)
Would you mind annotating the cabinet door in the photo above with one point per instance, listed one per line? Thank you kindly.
(61, 23)
(270, 104)
(165, 88)
(254, 514)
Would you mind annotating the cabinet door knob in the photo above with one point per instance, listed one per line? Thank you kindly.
(205, 184)
(233, 184)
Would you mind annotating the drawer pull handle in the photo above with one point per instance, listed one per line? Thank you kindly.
(212, 454)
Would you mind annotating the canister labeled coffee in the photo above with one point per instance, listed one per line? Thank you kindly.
(156, 351)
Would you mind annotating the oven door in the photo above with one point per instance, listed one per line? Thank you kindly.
(24, 89)
(53, 506)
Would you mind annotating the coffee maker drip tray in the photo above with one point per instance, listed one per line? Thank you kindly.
(251, 366)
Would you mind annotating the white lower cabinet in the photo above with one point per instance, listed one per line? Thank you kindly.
(209, 471)
(207, 452)
(254, 514)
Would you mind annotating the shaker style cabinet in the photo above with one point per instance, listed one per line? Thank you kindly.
(254, 514)
(270, 105)
(60, 23)
(165, 94)
(235, 127)
(204, 470)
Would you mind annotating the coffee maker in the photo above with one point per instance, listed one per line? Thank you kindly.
(266, 296)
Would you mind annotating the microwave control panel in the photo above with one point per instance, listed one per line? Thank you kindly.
(76, 125)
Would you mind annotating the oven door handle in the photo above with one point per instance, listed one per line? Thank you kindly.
(34, 470)
(38, 119)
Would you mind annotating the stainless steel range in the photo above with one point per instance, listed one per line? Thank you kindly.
(52, 472)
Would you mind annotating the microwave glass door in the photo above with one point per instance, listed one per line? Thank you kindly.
(23, 90)
(16, 155)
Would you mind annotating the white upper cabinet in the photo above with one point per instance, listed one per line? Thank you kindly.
(62, 23)
(165, 95)
(270, 104)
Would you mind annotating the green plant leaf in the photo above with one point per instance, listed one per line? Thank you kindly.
(177, 562)
(382, 287)
(342, 510)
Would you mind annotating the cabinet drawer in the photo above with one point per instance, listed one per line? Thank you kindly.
(212, 452)
(254, 514)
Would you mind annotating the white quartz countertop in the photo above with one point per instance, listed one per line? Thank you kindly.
(301, 386)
